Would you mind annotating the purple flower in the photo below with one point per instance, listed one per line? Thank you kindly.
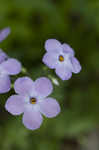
(33, 101)
(4, 33)
(8, 66)
(61, 58)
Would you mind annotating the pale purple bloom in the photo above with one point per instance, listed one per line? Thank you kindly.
(4, 33)
(8, 66)
(61, 58)
(32, 100)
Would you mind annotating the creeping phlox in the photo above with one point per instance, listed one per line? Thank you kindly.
(33, 100)
(61, 58)
(8, 66)
(32, 97)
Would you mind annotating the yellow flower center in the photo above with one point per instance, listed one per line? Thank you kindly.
(61, 58)
(33, 100)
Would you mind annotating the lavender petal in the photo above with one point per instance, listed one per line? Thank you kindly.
(15, 105)
(23, 85)
(3, 56)
(4, 33)
(68, 49)
(11, 66)
(5, 83)
(51, 59)
(76, 65)
(63, 72)
(52, 44)
(49, 107)
(32, 120)
(43, 87)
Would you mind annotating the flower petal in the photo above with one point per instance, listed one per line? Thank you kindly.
(52, 44)
(43, 87)
(32, 119)
(63, 72)
(23, 85)
(3, 56)
(4, 33)
(50, 59)
(15, 105)
(76, 65)
(50, 107)
(67, 49)
(11, 66)
(5, 84)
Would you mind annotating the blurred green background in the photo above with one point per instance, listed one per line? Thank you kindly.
(75, 22)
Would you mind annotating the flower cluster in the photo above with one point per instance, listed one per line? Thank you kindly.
(32, 97)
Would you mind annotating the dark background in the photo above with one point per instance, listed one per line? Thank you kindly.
(75, 22)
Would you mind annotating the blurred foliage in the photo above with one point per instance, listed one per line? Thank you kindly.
(76, 23)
